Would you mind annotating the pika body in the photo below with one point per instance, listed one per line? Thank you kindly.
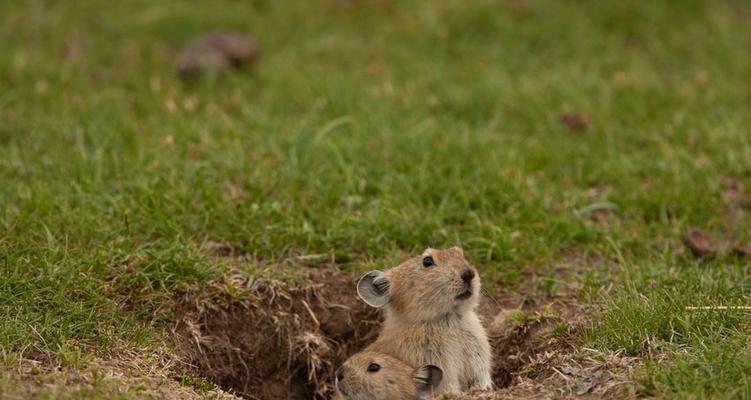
(429, 305)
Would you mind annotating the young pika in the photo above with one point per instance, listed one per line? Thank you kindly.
(429, 316)
(375, 376)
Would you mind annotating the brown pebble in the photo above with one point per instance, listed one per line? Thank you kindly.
(700, 243)
(575, 122)
(215, 52)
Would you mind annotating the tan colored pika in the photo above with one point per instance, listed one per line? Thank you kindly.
(375, 376)
(429, 316)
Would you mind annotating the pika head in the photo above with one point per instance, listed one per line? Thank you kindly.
(371, 375)
(433, 285)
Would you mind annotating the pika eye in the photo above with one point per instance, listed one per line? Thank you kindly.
(428, 262)
(373, 367)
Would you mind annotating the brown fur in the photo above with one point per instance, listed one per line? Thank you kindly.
(428, 322)
(393, 380)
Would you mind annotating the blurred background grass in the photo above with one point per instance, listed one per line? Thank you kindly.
(369, 131)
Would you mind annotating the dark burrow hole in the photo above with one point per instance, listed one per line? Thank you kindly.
(285, 342)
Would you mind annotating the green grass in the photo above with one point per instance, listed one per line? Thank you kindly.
(370, 131)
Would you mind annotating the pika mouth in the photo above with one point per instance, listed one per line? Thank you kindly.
(465, 294)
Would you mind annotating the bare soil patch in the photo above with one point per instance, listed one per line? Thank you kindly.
(284, 341)
(537, 354)
(519, 336)
(123, 373)
(279, 341)
(261, 338)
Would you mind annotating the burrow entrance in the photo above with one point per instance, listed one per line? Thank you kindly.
(283, 341)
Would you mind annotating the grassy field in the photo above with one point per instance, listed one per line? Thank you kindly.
(369, 131)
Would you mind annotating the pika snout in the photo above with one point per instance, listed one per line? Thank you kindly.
(467, 276)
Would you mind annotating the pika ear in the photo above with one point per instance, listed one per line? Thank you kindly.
(459, 249)
(427, 379)
(373, 289)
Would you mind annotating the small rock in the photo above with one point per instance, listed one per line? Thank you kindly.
(700, 243)
(575, 122)
(215, 52)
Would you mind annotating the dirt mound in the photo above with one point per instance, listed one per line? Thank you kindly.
(285, 341)
(520, 339)
(536, 355)
(279, 341)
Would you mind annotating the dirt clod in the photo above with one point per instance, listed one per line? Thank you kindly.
(215, 52)
(574, 122)
(700, 243)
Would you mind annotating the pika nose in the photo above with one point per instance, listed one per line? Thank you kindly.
(339, 375)
(468, 275)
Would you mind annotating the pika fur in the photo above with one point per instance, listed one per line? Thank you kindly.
(429, 306)
(375, 376)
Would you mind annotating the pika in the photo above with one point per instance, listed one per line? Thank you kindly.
(429, 306)
(375, 376)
